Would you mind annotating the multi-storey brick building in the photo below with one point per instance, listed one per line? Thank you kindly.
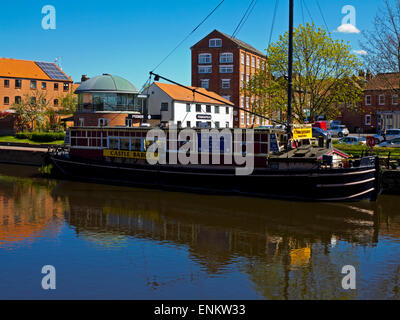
(20, 78)
(222, 64)
(379, 108)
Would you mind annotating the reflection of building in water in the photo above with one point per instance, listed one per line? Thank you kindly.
(285, 249)
(26, 211)
(216, 230)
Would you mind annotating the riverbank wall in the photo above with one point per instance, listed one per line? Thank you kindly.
(23, 155)
(391, 182)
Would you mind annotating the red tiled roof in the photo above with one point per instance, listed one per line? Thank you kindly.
(384, 81)
(14, 68)
(179, 93)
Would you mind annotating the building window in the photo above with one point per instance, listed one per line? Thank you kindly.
(33, 84)
(226, 57)
(226, 83)
(368, 120)
(217, 124)
(204, 83)
(226, 69)
(242, 58)
(55, 102)
(205, 69)
(227, 98)
(215, 43)
(242, 102)
(33, 100)
(198, 107)
(188, 124)
(6, 83)
(44, 85)
(104, 122)
(164, 106)
(179, 124)
(17, 99)
(381, 99)
(81, 122)
(198, 124)
(187, 107)
(258, 63)
(208, 109)
(247, 78)
(242, 117)
(367, 100)
(216, 109)
(253, 62)
(56, 86)
(66, 86)
(226, 124)
(242, 80)
(18, 84)
(6, 100)
(128, 122)
(248, 60)
(205, 58)
(395, 100)
(227, 110)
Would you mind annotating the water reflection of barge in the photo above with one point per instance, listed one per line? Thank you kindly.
(299, 174)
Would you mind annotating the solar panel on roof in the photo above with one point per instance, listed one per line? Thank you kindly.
(52, 71)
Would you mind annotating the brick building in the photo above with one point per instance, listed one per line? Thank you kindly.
(22, 77)
(19, 78)
(222, 64)
(379, 108)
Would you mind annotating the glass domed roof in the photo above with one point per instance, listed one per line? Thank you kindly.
(107, 83)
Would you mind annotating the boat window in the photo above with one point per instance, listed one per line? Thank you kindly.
(124, 144)
(136, 145)
(113, 143)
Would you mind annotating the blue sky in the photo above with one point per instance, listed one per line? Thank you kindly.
(129, 38)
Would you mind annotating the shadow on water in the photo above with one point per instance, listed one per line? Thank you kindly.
(286, 249)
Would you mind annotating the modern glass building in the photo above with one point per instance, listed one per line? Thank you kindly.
(109, 100)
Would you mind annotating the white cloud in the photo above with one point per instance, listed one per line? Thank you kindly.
(360, 52)
(347, 28)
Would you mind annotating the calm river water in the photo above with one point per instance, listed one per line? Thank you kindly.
(110, 242)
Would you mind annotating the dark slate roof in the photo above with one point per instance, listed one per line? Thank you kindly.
(238, 42)
(243, 44)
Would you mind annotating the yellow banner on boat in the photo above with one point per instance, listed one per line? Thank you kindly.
(124, 154)
(302, 133)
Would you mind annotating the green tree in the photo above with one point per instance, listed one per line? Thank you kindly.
(323, 76)
(30, 111)
(69, 104)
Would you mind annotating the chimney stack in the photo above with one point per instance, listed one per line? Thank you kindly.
(84, 78)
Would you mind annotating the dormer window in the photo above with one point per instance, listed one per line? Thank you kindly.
(215, 43)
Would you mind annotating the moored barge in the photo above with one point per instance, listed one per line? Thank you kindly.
(306, 173)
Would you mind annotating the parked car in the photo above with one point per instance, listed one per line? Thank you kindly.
(338, 131)
(333, 123)
(394, 143)
(320, 124)
(352, 140)
(318, 132)
(390, 134)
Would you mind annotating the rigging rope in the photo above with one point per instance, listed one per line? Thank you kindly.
(180, 43)
(241, 20)
(273, 22)
(246, 18)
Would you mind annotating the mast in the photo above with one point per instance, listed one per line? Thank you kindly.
(290, 69)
